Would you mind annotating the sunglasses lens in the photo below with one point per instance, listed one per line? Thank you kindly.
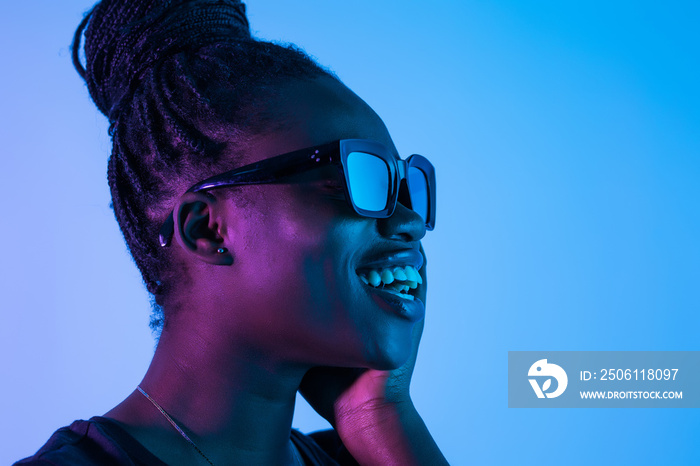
(418, 187)
(368, 177)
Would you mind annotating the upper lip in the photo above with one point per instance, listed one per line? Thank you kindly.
(399, 258)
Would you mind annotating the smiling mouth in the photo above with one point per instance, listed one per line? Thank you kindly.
(400, 281)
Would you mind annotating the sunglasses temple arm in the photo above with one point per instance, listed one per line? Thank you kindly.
(254, 175)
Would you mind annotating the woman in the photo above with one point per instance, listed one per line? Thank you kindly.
(271, 218)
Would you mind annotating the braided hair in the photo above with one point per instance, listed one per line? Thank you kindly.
(181, 82)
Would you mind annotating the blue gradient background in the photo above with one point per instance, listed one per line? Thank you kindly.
(566, 136)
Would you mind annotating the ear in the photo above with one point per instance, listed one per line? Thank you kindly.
(198, 228)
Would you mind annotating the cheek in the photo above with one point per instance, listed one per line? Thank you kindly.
(299, 219)
(286, 231)
(299, 254)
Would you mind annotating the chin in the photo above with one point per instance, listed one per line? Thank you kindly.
(391, 355)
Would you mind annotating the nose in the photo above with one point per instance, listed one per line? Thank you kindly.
(405, 223)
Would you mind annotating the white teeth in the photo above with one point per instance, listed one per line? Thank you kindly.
(411, 274)
(387, 276)
(374, 278)
(401, 279)
(399, 274)
(401, 295)
(396, 286)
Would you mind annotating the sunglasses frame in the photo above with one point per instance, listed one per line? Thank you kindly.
(275, 169)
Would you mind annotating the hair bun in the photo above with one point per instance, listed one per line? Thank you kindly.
(126, 37)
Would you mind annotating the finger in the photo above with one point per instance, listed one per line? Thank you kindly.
(321, 386)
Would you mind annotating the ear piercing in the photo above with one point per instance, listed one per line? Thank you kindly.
(221, 251)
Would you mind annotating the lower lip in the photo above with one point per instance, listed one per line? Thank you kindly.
(411, 310)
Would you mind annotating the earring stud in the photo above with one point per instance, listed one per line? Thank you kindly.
(221, 250)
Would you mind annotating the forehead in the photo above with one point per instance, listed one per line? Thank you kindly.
(312, 112)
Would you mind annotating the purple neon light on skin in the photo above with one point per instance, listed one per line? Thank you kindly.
(288, 295)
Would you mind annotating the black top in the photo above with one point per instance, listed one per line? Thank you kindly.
(101, 441)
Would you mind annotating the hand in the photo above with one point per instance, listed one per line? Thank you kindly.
(349, 397)
(372, 411)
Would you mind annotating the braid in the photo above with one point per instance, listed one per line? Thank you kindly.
(173, 77)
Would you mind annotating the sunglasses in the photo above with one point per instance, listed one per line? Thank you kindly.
(373, 177)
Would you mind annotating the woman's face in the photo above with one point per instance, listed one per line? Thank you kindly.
(294, 288)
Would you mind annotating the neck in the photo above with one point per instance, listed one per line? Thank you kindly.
(235, 405)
